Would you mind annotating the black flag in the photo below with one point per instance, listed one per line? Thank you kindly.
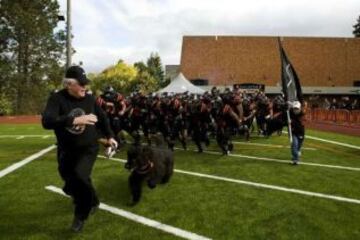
(290, 82)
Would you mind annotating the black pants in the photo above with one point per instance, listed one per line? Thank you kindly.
(75, 168)
(223, 138)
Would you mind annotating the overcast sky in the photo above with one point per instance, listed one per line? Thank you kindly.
(107, 30)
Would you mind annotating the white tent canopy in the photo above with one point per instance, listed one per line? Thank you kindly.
(180, 84)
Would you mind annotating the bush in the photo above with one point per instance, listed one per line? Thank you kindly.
(5, 105)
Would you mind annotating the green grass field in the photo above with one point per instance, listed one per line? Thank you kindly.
(212, 208)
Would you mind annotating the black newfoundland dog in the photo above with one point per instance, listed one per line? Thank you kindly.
(153, 165)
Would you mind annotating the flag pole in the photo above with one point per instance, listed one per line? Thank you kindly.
(285, 93)
(289, 125)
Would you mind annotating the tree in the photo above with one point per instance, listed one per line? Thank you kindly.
(152, 70)
(31, 52)
(119, 76)
(155, 68)
(124, 78)
(144, 83)
(141, 67)
(356, 31)
(5, 105)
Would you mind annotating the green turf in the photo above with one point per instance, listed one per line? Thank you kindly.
(22, 129)
(334, 136)
(12, 150)
(212, 208)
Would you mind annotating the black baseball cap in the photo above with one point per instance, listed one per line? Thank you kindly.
(77, 73)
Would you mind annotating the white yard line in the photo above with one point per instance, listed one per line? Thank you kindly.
(271, 145)
(17, 165)
(281, 160)
(21, 137)
(261, 185)
(289, 161)
(143, 220)
(26, 136)
(332, 142)
(259, 144)
(273, 187)
(113, 159)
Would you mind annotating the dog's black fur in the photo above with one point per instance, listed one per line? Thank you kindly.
(153, 165)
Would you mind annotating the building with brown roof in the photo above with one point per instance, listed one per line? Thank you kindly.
(324, 65)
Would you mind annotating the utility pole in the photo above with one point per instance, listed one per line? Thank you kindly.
(68, 35)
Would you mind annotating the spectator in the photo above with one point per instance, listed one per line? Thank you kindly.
(326, 104)
(334, 104)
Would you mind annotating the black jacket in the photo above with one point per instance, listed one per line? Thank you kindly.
(59, 114)
(297, 123)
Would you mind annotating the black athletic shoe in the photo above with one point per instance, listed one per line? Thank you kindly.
(127, 166)
(207, 142)
(183, 143)
(171, 146)
(225, 152)
(77, 225)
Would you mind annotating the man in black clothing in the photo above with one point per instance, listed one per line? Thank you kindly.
(77, 122)
(297, 116)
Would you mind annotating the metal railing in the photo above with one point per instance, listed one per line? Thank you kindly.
(339, 116)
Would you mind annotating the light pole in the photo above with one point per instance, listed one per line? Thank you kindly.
(68, 35)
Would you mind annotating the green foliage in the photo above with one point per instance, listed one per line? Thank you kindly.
(5, 105)
(32, 54)
(31, 51)
(120, 76)
(356, 31)
(125, 79)
(144, 83)
(155, 68)
(151, 75)
(141, 66)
